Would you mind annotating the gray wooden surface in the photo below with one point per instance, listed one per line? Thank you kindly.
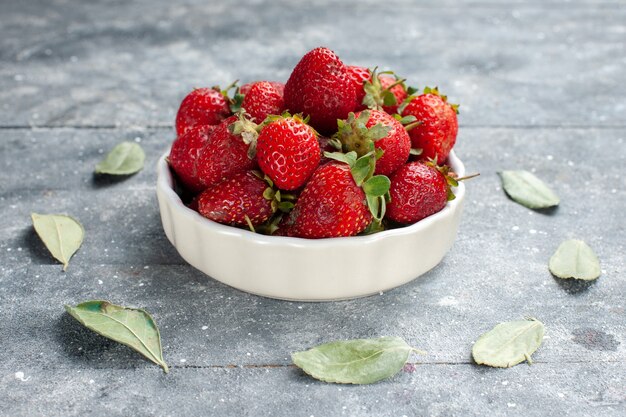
(542, 86)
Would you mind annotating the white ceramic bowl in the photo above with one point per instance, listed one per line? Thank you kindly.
(307, 269)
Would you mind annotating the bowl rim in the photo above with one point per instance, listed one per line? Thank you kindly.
(165, 184)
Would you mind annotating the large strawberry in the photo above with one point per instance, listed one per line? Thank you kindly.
(203, 106)
(184, 154)
(369, 129)
(287, 151)
(419, 189)
(321, 88)
(341, 199)
(438, 126)
(223, 155)
(261, 100)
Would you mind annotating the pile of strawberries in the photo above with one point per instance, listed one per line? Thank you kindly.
(336, 151)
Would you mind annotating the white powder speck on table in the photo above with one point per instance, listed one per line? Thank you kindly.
(20, 375)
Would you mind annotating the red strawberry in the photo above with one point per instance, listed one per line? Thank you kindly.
(358, 76)
(184, 154)
(438, 127)
(398, 91)
(261, 100)
(321, 88)
(418, 190)
(203, 106)
(340, 199)
(382, 131)
(232, 199)
(287, 151)
(331, 205)
(280, 87)
(223, 155)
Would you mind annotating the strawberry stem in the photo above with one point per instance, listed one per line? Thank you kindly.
(400, 81)
(250, 225)
(412, 125)
(468, 177)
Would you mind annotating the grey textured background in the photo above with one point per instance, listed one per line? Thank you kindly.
(542, 86)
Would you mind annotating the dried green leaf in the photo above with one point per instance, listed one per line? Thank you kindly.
(132, 327)
(61, 234)
(575, 259)
(508, 343)
(358, 361)
(528, 190)
(124, 159)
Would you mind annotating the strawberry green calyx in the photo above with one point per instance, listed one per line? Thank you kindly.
(270, 226)
(405, 103)
(377, 193)
(409, 122)
(248, 130)
(234, 103)
(377, 96)
(410, 90)
(227, 89)
(413, 93)
(296, 116)
(450, 176)
(355, 136)
(282, 202)
(374, 227)
(447, 174)
(375, 187)
(435, 91)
